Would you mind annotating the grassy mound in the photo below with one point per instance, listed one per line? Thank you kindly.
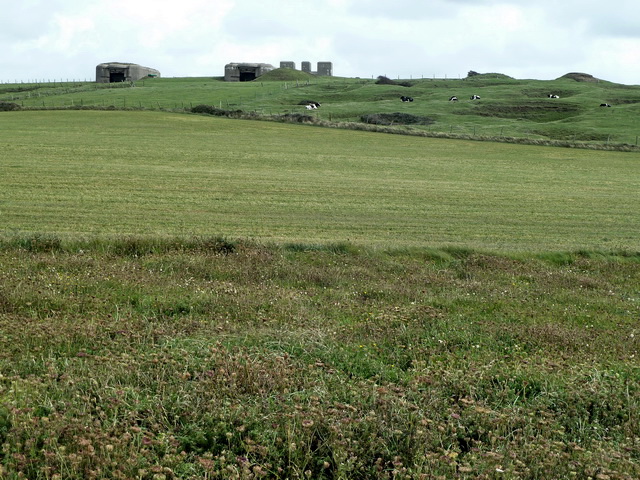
(581, 77)
(285, 74)
(484, 76)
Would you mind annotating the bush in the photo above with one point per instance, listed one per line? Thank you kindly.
(382, 80)
(396, 119)
(298, 118)
(9, 106)
(218, 112)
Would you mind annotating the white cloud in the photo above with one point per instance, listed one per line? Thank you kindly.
(543, 39)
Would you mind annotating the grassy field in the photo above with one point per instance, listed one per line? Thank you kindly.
(507, 108)
(187, 296)
(150, 173)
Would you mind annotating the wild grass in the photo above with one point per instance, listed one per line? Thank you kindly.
(97, 174)
(204, 358)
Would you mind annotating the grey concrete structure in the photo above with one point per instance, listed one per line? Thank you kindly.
(325, 69)
(306, 67)
(291, 65)
(123, 72)
(245, 72)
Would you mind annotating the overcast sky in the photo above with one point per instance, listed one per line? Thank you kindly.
(540, 39)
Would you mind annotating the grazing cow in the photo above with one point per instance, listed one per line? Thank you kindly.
(453, 99)
(552, 95)
(605, 105)
(406, 99)
(311, 106)
(475, 97)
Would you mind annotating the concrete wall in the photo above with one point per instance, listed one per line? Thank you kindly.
(291, 65)
(123, 72)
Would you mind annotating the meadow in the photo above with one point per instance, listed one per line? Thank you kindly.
(508, 108)
(192, 296)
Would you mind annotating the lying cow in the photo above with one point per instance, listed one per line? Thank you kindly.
(475, 97)
(453, 99)
(552, 95)
(406, 99)
(605, 105)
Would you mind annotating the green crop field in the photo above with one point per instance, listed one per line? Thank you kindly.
(197, 296)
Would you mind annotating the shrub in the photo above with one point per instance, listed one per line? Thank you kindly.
(397, 118)
(298, 118)
(9, 106)
(218, 112)
(382, 80)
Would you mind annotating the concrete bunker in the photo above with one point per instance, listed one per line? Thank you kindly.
(245, 72)
(123, 72)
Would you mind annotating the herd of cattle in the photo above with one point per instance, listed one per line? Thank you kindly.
(314, 105)
(477, 97)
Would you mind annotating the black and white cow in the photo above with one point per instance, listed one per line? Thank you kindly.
(406, 99)
(312, 105)
(553, 95)
(605, 105)
(475, 97)
(453, 99)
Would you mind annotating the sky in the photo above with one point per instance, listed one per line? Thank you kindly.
(525, 39)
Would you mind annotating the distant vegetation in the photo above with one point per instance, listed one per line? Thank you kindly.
(382, 80)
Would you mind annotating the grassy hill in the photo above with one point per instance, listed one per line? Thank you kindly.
(507, 108)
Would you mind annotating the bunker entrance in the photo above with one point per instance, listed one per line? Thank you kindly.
(247, 76)
(116, 76)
